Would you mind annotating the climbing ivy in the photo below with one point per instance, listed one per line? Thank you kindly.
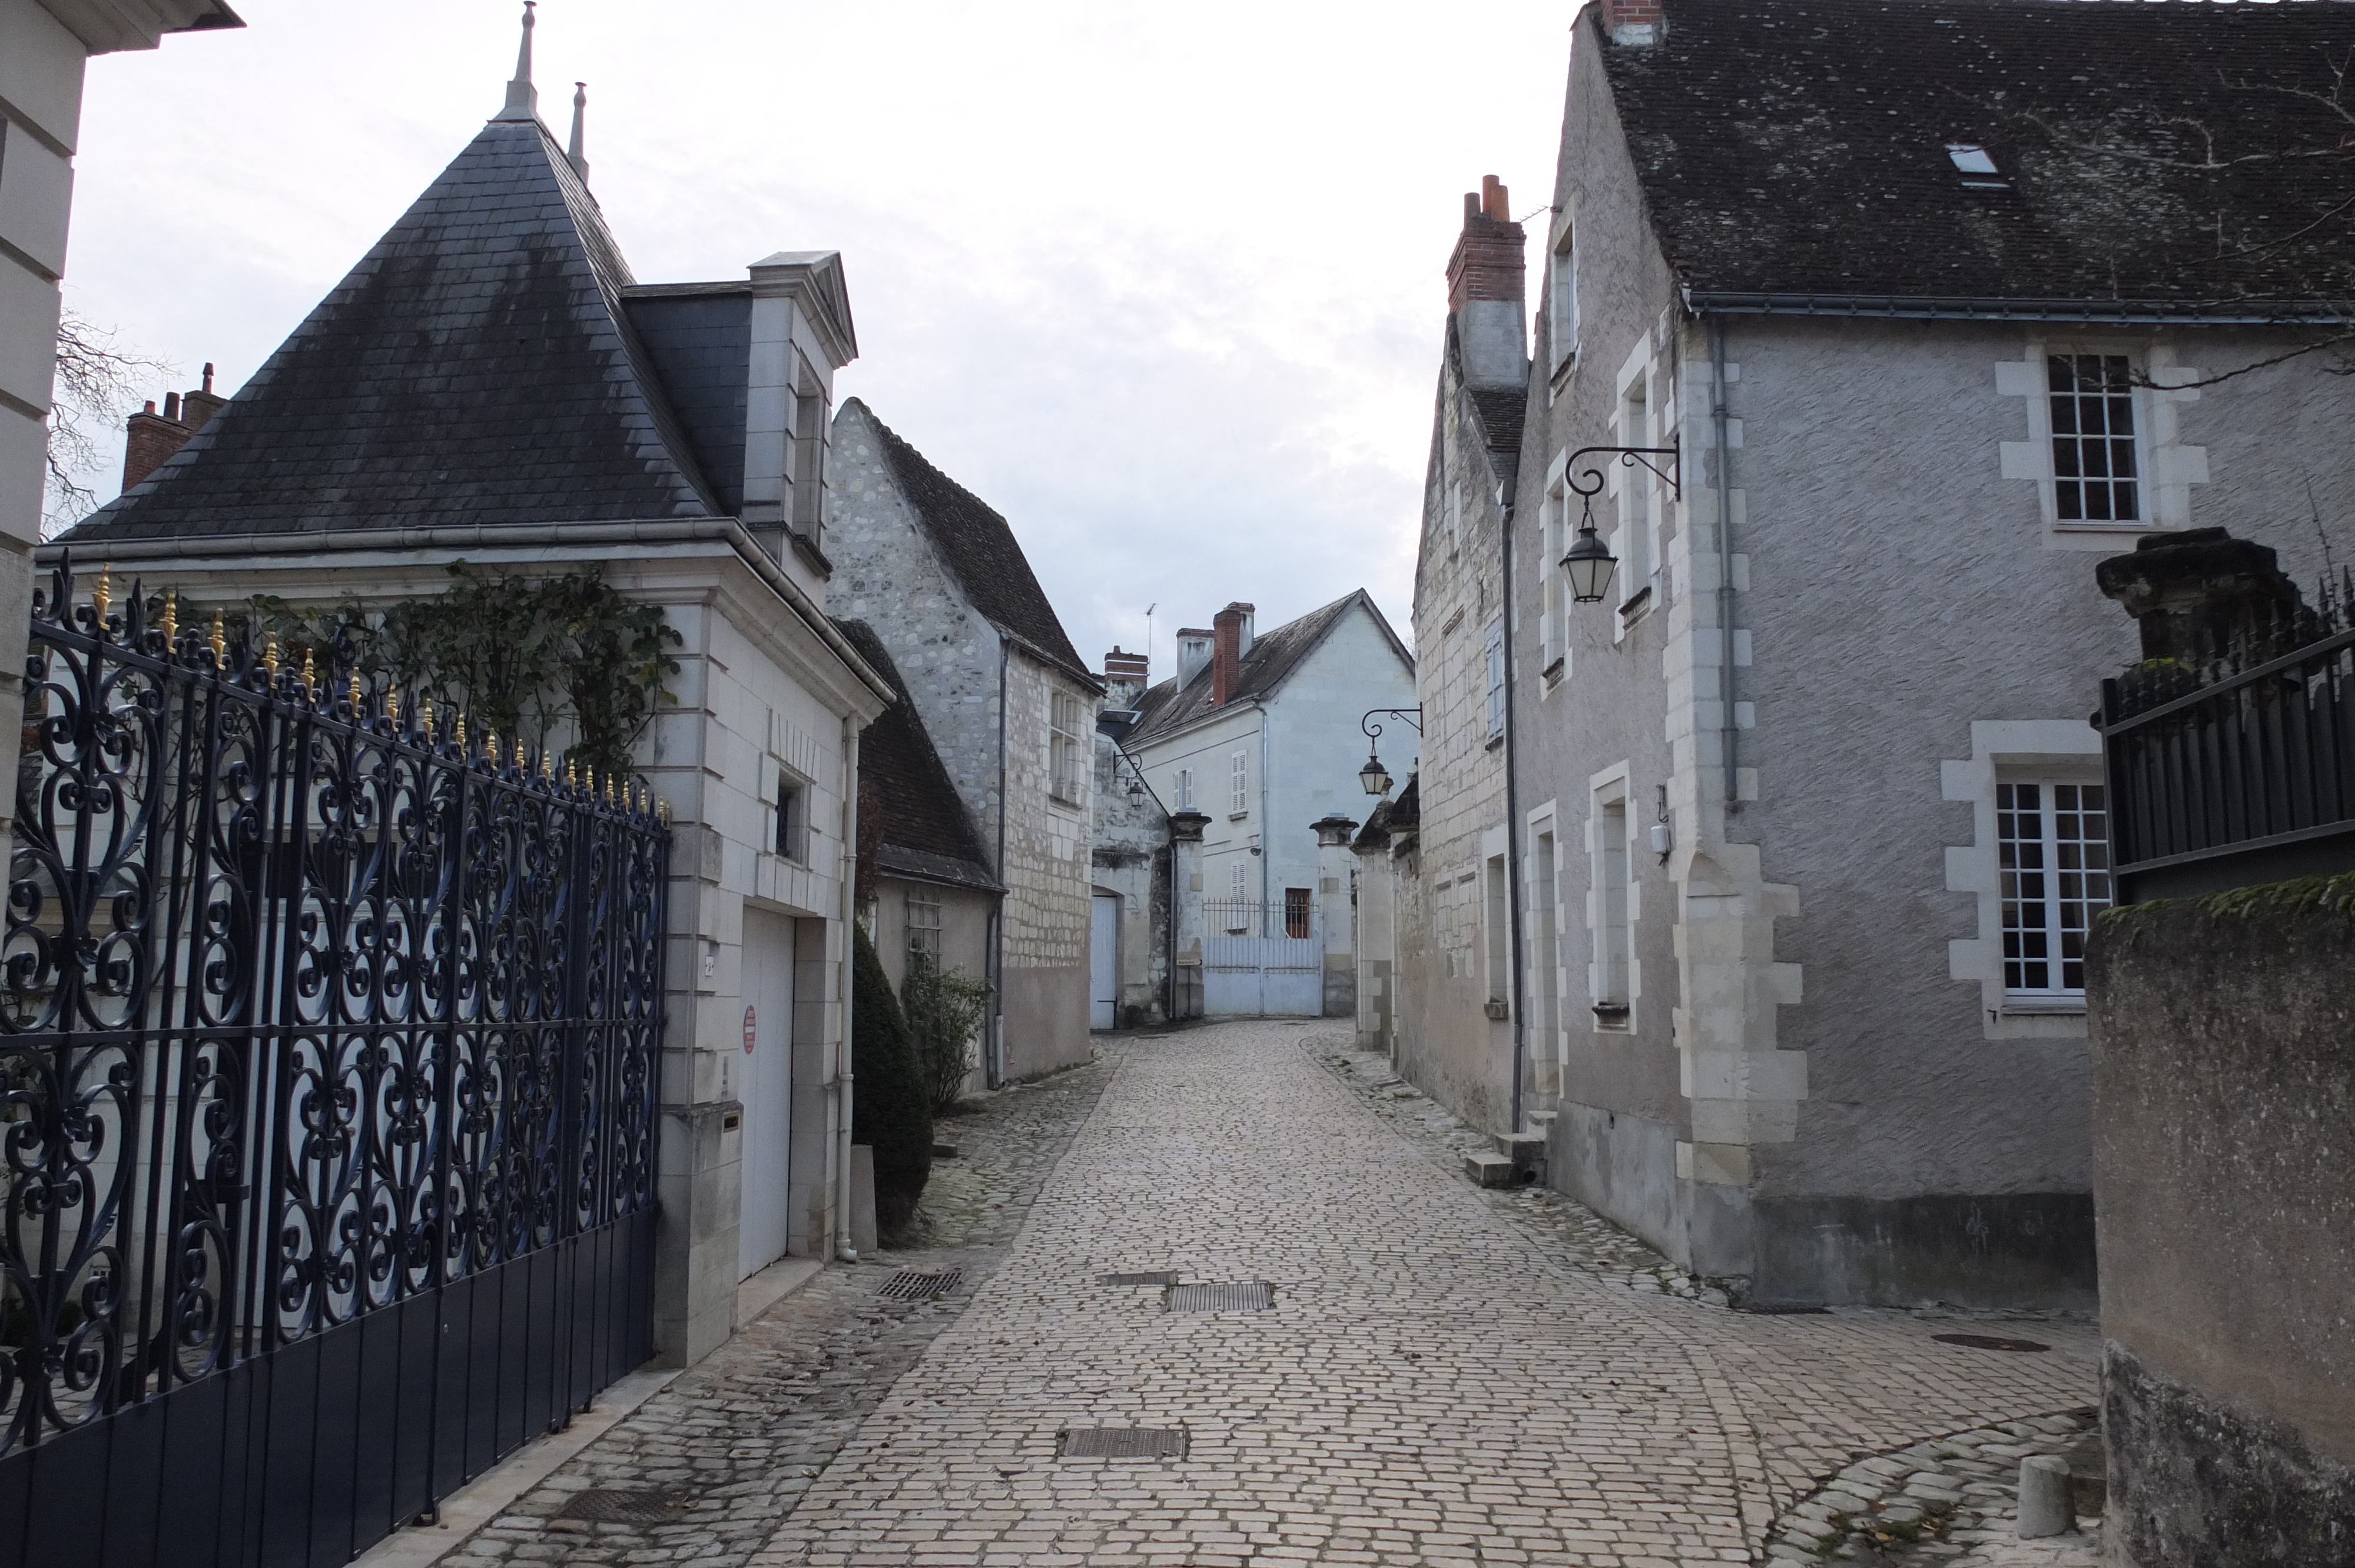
(531, 659)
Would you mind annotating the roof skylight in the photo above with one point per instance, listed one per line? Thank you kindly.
(1977, 169)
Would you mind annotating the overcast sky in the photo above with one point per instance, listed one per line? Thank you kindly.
(1163, 284)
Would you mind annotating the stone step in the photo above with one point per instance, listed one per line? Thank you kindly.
(1488, 1170)
(1521, 1147)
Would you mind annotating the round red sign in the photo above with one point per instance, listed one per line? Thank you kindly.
(747, 1031)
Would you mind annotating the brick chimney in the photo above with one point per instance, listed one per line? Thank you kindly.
(1125, 678)
(150, 438)
(1637, 22)
(1193, 653)
(1231, 639)
(1487, 289)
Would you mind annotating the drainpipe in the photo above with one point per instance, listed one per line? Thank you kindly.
(1720, 413)
(994, 1062)
(1512, 820)
(842, 1075)
(1266, 837)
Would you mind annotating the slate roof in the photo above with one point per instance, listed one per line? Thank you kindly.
(926, 832)
(1792, 148)
(1273, 656)
(476, 367)
(978, 547)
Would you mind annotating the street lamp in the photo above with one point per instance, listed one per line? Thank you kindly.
(1373, 775)
(1589, 562)
(1589, 565)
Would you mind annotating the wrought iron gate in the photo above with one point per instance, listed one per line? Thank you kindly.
(329, 1041)
(1262, 960)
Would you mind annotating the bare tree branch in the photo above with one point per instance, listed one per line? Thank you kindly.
(97, 386)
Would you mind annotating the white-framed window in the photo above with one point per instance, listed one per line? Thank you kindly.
(1611, 908)
(792, 818)
(1553, 624)
(1495, 657)
(2052, 854)
(1639, 498)
(923, 926)
(2096, 469)
(1238, 888)
(1561, 301)
(1499, 933)
(1238, 784)
(1067, 775)
(1185, 790)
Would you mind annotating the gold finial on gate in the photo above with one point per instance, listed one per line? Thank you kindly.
(461, 732)
(310, 678)
(392, 706)
(571, 774)
(103, 594)
(354, 694)
(220, 639)
(519, 765)
(269, 658)
(491, 747)
(589, 781)
(171, 616)
(425, 714)
(547, 766)
(662, 810)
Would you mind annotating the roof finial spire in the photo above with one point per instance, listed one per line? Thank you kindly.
(577, 155)
(523, 98)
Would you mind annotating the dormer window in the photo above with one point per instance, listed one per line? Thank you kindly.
(1978, 171)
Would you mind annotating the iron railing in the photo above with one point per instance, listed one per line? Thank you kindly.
(2238, 766)
(311, 1009)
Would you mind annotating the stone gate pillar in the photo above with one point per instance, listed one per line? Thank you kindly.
(1335, 862)
(1186, 912)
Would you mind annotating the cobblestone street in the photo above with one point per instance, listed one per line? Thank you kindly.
(1446, 1375)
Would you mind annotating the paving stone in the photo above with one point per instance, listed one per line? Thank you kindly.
(1448, 1375)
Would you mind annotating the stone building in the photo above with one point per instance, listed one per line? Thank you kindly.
(406, 424)
(46, 46)
(1930, 309)
(931, 897)
(1454, 1038)
(1010, 705)
(1131, 856)
(1261, 735)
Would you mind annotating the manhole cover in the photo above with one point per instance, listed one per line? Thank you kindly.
(1162, 1276)
(1983, 1342)
(914, 1285)
(1121, 1443)
(1254, 1296)
(627, 1507)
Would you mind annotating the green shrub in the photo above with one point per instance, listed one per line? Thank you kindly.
(945, 1009)
(892, 1104)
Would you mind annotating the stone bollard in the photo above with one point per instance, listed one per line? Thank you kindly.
(2045, 1506)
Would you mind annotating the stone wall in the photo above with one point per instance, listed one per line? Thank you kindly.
(1046, 871)
(1130, 860)
(2224, 1173)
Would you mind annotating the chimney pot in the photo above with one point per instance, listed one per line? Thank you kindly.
(209, 377)
(172, 406)
(1494, 201)
(1635, 22)
(151, 406)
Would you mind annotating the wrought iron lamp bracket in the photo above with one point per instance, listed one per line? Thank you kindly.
(1412, 716)
(1589, 482)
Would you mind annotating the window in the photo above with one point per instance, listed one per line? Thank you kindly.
(1977, 167)
(1496, 678)
(1238, 784)
(1562, 304)
(2095, 475)
(1296, 912)
(1611, 924)
(1068, 783)
(1544, 961)
(1636, 500)
(923, 927)
(793, 810)
(1185, 788)
(1553, 632)
(811, 425)
(1239, 907)
(1500, 931)
(2053, 855)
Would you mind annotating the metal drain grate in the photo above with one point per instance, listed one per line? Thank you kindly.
(1983, 1342)
(1254, 1296)
(1121, 1443)
(913, 1285)
(613, 1507)
(1161, 1276)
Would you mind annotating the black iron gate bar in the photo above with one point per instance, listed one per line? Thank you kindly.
(308, 1007)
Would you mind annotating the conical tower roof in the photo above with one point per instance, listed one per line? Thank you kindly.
(475, 368)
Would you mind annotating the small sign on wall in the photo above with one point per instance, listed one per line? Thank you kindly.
(750, 1019)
